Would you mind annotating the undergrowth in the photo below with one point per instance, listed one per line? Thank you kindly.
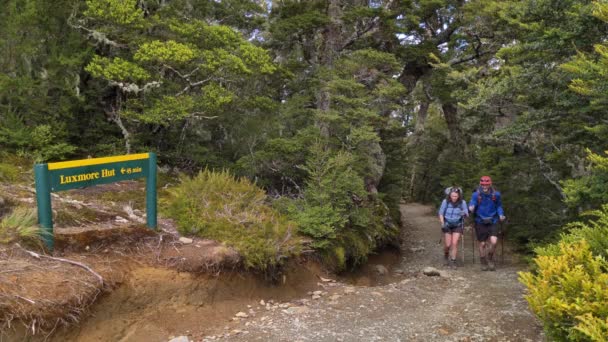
(568, 290)
(344, 223)
(216, 205)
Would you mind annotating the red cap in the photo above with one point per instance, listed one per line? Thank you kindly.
(485, 180)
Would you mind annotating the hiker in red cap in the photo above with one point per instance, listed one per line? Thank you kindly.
(486, 204)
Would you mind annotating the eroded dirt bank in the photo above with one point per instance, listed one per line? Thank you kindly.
(155, 303)
(112, 279)
(461, 305)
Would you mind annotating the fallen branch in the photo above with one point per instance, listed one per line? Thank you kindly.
(72, 262)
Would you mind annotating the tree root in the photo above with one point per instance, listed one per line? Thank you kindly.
(72, 262)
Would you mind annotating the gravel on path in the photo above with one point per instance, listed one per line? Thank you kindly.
(457, 305)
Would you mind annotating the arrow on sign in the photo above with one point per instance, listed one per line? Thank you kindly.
(122, 170)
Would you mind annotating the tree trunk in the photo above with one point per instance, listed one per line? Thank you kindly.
(329, 51)
(421, 117)
(450, 113)
(372, 179)
(413, 182)
(412, 72)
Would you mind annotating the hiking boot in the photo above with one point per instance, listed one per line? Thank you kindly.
(452, 264)
(491, 265)
(446, 258)
(484, 264)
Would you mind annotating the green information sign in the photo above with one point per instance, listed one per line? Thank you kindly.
(53, 177)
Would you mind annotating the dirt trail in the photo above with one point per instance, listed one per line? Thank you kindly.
(460, 305)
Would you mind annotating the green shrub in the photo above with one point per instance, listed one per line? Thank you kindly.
(369, 227)
(595, 232)
(328, 198)
(568, 290)
(46, 148)
(41, 143)
(217, 206)
(345, 225)
(19, 225)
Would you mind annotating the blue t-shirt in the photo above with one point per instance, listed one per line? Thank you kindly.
(453, 212)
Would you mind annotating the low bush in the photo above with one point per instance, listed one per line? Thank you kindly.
(218, 206)
(568, 290)
(344, 223)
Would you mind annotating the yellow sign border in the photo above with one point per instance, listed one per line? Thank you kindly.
(96, 161)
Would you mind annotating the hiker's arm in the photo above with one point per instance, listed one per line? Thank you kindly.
(473, 202)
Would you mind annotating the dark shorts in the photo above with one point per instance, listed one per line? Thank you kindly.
(458, 229)
(484, 231)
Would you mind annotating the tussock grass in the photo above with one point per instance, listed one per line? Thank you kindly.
(218, 206)
(19, 225)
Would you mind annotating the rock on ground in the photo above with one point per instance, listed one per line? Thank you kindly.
(180, 339)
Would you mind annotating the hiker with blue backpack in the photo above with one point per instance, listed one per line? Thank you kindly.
(452, 212)
(486, 204)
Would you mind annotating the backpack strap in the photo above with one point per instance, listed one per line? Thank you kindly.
(480, 191)
(449, 203)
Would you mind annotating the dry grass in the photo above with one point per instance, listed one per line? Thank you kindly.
(29, 306)
(19, 225)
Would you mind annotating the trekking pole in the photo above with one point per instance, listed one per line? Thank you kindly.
(462, 240)
(440, 236)
(473, 240)
(502, 243)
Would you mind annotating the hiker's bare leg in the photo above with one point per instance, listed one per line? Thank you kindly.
(482, 249)
(454, 249)
(447, 239)
(492, 246)
(482, 255)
